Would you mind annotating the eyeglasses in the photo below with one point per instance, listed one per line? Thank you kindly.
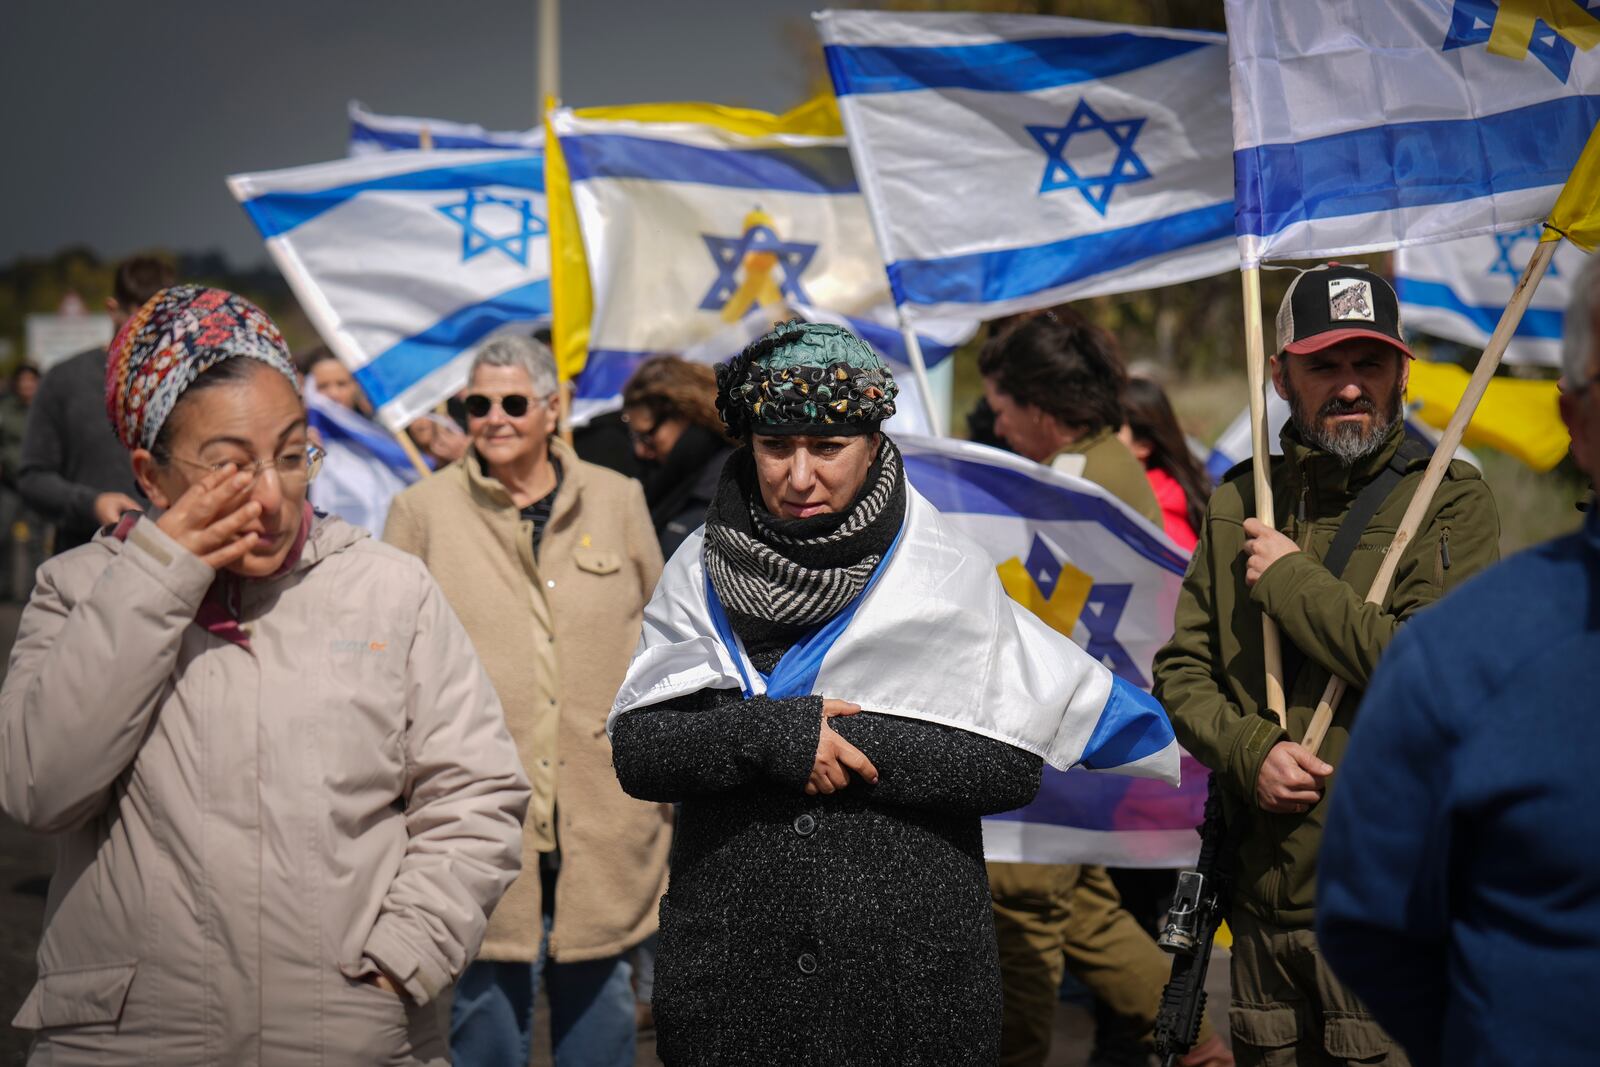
(515, 406)
(293, 468)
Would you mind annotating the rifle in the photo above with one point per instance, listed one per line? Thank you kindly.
(1198, 908)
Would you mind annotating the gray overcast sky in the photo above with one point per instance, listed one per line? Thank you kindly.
(122, 117)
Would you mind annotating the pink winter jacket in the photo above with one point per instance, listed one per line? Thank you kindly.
(245, 832)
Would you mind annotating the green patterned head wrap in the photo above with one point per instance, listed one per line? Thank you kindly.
(805, 378)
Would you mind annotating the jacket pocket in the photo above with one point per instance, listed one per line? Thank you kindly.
(1264, 1028)
(597, 561)
(77, 996)
(1354, 1037)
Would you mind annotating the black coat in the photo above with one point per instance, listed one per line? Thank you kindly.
(845, 929)
(70, 453)
(679, 490)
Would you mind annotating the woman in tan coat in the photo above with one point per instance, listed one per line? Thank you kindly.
(549, 562)
(280, 784)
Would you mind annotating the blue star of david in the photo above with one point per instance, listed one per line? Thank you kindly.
(1043, 568)
(1472, 23)
(475, 241)
(1506, 245)
(1102, 613)
(729, 252)
(1096, 188)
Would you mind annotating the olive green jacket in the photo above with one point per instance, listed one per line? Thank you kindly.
(1211, 678)
(1103, 459)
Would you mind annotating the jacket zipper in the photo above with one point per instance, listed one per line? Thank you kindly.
(1444, 547)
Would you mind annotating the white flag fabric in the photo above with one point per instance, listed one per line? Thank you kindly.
(1015, 161)
(689, 228)
(1458, 289)
(371, 134)
(1364, 125)
(405, 261)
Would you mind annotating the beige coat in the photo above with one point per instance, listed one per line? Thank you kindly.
(556, 635)
(242, 833)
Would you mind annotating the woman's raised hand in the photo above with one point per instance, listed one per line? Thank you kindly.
(836, 757)
(208, 516)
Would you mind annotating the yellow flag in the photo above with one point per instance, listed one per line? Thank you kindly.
(571, 299)
(1576, 215)
(1517, 416)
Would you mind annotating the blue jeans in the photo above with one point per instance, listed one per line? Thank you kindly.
(591, 1012)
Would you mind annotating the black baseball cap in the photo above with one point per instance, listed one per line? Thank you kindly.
(1333, 303)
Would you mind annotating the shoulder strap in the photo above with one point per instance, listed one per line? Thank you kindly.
(1366, 505)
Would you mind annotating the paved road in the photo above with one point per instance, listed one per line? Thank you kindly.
(25, 863)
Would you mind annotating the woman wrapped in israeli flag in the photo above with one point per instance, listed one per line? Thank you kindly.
(835, 687)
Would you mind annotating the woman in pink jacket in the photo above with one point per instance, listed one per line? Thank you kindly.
(281, 785)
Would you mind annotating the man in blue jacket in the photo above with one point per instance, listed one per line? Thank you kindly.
(1460, 871)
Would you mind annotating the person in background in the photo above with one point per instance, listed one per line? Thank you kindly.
(14, 408)
(333, 381)
(1152, 434)
(438, 437)
(73, 471)
(1459, 891)
(363, 467)
(1054, 382)
(281, 789)
(549, 562)
(670, 409)
(21, 532)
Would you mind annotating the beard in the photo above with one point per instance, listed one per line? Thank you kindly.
(1349, 442)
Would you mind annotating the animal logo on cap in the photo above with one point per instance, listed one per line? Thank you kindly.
(1350, 298)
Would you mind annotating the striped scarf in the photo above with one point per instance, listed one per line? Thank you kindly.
(798, 572)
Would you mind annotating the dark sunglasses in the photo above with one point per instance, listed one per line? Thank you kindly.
(515, 406)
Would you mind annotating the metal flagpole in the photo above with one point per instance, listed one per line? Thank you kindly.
(549, 92)
(919, 369)
(549, 38)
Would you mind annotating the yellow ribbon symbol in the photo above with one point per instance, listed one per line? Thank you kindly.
(1065, 602)
(1513, 26)
(759, 286)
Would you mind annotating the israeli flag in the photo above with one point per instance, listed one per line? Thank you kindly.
(1458, 289)
(1375, 124)
(691, 229)
(1014, 161)
(373, 134)
(406, 261)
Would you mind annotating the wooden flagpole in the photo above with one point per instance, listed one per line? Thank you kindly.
(1443, 453)
(409, 447)
(1255, 349)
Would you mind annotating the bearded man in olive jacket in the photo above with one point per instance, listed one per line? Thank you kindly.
(1343, 367)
